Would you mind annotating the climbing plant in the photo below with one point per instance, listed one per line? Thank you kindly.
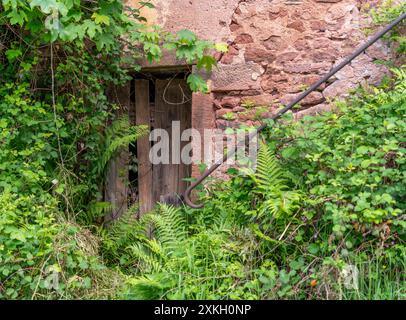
(65, 54)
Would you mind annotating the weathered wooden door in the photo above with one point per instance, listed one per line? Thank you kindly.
(172, 104)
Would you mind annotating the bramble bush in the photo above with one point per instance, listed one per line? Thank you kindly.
(351, 165)
(43, 258)
(27, 230)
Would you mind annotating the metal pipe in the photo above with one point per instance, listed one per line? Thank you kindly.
(289, 106)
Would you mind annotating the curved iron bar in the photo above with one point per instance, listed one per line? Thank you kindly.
(346, 61)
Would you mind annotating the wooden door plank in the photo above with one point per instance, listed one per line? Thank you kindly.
(142, 114)
(169, 95)
(186, 121)
(167, 174)
(157, 172)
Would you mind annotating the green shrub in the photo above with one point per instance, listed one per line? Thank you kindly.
(27, 230)
(388, 11)
(351, 162)
(41, 258)
(27, 140)
(351, 166)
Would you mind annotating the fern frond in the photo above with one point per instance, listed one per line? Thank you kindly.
(146, 261)
(125, 225)
(145, 288)
(122, 232)
(285, 202)
(120, 134)
(168, 223)
(268, 174)
(272, 187)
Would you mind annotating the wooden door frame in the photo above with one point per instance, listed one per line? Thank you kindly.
(202, 117)
(169, 176)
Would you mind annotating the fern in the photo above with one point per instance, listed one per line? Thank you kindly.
(120, 234)
(268, 175)
(150, 256)
(149, 287)
(126, 240)
(272, 187)
(153, 255)
(120, 134)
(169, 230)
(168, 224)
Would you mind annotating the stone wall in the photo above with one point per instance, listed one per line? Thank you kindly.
(276, 49)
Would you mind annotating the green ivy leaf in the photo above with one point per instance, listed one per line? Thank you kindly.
(197, 84)
(206, 62)
(186, 36)
(313, 248)
(104, 40)
(71, 32)
(153, 51)
(91, 28)
(70, 3)
(13, 54)
(101, 19)
(17, 17)
(46, 6)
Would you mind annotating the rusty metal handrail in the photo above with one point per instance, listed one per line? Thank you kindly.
(346, 61)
